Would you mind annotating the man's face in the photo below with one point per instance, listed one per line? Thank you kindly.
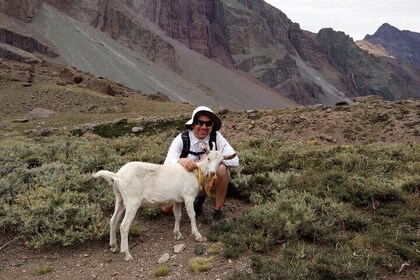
(202, 126)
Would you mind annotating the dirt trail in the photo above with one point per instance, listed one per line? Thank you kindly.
(94, 260)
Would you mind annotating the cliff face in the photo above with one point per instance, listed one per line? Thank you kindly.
(267, 45)
(122, 23)
(20, 9)
(194, 23)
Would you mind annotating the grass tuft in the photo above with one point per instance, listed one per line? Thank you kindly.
(200, 264)
(162, 270)
(43, 269)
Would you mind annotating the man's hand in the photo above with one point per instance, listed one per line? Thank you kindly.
(188, 164)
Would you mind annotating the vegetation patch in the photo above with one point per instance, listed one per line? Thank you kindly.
(317, 211)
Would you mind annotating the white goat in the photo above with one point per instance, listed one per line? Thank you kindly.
(151, 185)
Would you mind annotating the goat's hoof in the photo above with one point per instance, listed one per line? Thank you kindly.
(199, 238)
(114, 249)
(128, 257)
(178, 236)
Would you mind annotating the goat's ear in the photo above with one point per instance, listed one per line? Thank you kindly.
(229, 157)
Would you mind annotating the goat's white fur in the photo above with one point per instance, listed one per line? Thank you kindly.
(141, 184)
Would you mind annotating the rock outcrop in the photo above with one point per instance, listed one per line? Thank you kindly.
(26, 43)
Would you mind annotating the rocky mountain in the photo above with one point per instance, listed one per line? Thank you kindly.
(235, 53)
(404, 45)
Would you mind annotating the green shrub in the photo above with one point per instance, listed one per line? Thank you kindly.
(365, 191)
(47, 217)
(341, 263)
(112, 130)
(411, 184)
(291, 216)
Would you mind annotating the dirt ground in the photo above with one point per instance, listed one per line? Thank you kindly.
(94, 260)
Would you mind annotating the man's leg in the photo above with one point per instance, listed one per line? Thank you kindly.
(221, 185)
(168, 209)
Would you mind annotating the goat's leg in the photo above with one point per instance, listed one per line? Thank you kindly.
(189, 205)
(115, 219)
(177, 214)
(131, 208)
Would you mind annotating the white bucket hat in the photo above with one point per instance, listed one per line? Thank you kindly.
(203, 110)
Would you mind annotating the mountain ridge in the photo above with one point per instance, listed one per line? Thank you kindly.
(404, 45)
(272, 58)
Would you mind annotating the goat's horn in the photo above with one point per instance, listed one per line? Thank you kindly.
(229, 157)
(206, 150)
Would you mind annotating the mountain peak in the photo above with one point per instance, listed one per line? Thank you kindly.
(387, 26)
(385, 30)
(403, 45)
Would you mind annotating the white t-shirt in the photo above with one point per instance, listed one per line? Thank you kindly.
(196, 145)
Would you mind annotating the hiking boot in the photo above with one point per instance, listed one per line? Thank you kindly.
(198, 205)
(218, 215)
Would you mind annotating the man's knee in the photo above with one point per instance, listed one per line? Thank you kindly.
(222, 171)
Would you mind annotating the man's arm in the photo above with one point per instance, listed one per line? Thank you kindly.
(174, 153)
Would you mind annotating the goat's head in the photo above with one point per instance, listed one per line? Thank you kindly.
(214, 159)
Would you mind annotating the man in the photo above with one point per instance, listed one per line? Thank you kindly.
(202, 130)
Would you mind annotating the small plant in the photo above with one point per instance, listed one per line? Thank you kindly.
(43, 269)
(215, 248)
(162, 270)
(200, 264)
(135, 231)
(150, 213)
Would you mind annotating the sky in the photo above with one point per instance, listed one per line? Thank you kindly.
(356, 18)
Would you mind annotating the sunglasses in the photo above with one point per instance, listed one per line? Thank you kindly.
(202, 123)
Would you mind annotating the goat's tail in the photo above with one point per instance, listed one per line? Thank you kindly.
(110, 176)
